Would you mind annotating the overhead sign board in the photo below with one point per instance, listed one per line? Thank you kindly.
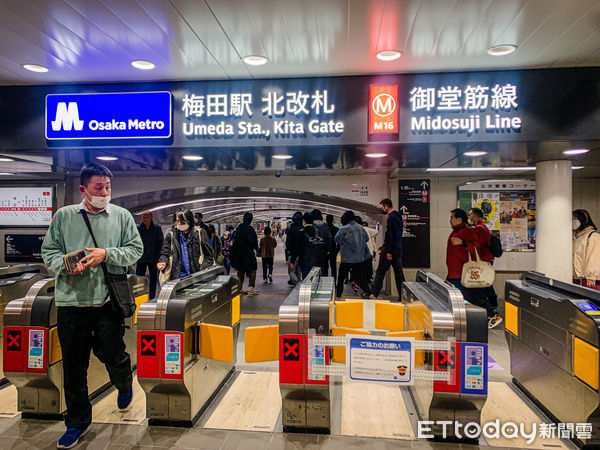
(383, 109)
(114, 115)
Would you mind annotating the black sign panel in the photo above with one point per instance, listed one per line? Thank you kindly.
(291, 349)
(148, 343)
(13, 340)
(446, 359)
(23, 247)
(414, 206)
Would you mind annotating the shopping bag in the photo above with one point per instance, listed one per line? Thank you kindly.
(477, 274)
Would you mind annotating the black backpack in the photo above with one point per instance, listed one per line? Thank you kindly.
(496, 246)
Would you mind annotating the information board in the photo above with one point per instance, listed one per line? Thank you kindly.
(23, 247)
(25, 206)
(415, 209)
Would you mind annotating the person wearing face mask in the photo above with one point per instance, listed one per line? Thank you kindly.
(85, 316)
(183, 245)
(586, 250)
(391, 254)
(152, 237)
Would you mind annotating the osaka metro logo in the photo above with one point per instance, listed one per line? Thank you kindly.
(67, 117)
(384, 105)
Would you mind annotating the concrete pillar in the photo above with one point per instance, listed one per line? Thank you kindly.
(553, 222)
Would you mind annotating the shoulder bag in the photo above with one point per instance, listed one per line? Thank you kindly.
(122, 301)
(477, 274)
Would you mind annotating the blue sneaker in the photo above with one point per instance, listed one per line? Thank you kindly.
(70, 438)
(124, 400)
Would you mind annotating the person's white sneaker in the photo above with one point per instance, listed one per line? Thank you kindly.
(494, 321)
(252, 291)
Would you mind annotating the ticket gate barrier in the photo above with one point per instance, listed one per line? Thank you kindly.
(186, 344)
(306, 401)
(553, 334)
(15, 281)
(32, 354)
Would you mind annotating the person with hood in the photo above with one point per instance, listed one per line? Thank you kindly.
(295, 245)
(207, 249)
(226, 243)
(352, 239)
(325, 234)
(586, 250)
(334, 247)
(315, 254)
(243, 254)
(152, 237)
(182, 244)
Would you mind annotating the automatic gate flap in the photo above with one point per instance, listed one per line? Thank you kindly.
(349, 314)
(419, 316)
(139, 300)
(585, 362)
(216, 342)
(262, 343)
(338, 354)
(389, 316)
(418, 335)
(55, 351)
(511, 312)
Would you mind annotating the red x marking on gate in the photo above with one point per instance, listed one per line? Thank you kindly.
(446, 357)
(148, 345)
(13, 340)
(291, 349)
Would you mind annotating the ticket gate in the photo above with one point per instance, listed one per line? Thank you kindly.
(306, 403)
(439, 310)
(32, 353)
(186, 342)
(553, 334)
(15, 281)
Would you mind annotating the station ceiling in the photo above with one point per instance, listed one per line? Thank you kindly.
(96, 40)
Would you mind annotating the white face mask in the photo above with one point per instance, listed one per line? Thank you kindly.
(99, 202)
(183, 227)
(576, 224)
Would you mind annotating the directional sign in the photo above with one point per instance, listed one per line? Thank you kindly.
(414, 205)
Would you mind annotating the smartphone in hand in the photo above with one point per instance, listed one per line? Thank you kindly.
(71, 259)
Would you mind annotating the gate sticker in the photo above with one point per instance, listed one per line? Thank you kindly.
(474, 368)
(36, 349)
(172, 354)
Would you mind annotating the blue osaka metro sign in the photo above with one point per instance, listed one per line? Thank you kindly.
(123, 115)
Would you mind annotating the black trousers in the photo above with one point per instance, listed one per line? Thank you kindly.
(358, 276)
(267, 264)
(81, 329)
(140, 270)
(332, 261)
(383, 267)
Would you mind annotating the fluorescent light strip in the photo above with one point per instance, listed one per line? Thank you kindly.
(487, 169)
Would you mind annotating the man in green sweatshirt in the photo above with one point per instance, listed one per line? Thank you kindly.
(85, 317)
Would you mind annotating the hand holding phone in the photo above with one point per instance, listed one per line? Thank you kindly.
(72, 262)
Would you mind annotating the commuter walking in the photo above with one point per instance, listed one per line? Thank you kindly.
(352, 239)
(207, 248)
(182, 254)
(267, 253)
(325, 234)
(391, 254)
(216, 244)
(226, 243)
(295, 245)
(86, 316)
(462, 242)
(315, 254)
(198, 222)
(243, 254)
(372, 245)
(586, 250)
(484, 244)
(152, 238)
(333, 252)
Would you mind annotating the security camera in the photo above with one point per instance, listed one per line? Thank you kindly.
(278, 173)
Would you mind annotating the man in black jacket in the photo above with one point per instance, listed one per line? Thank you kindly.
(391, 254)
(295, 245)
(152, 237)
(243, 253)
(325, 234)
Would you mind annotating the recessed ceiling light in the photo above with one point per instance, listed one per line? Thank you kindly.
(6, 159)
(6, 173)
(475, 153)
(35, 68)
(502, 49)
(142, 65)
(107, 158)
(193, 157)
(577, 167)
(282, 156)
(576, 151)
(376, 155)
(389, 55)
(255, 60)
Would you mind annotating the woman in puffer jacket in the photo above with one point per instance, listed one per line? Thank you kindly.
(586, 250)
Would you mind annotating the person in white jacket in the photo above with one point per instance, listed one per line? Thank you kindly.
(586, 250)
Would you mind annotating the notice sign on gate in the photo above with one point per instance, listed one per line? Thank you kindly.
(381, 359)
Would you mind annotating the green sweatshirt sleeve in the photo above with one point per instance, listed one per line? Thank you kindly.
(53, 247)
(132, 247)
